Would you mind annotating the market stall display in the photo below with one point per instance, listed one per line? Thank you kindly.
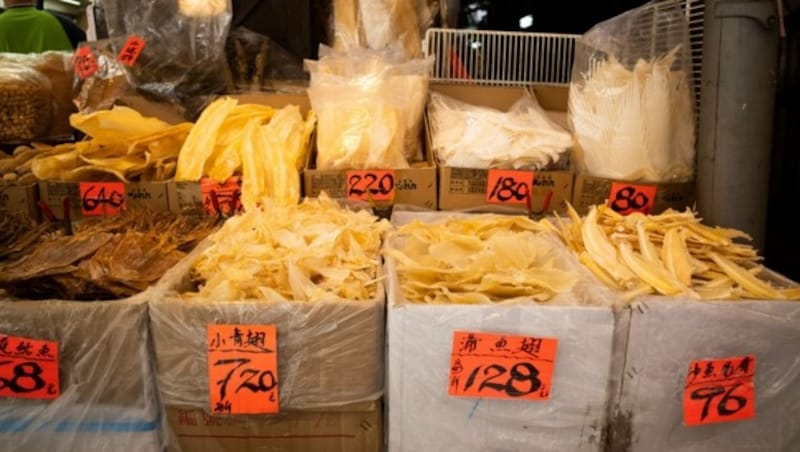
(310, 270)
(545, 296)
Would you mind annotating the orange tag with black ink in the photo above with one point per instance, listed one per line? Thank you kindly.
(28, 368)
(720, 390)
(501, 366)
(243, 369)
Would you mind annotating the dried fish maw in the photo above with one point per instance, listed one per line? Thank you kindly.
(199, 145)
(115, 125)
(50, 167)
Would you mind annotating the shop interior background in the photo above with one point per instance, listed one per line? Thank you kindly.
(300, 25)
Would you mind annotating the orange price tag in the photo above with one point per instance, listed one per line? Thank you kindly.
(222, 198)
(628, 198)
(243, 369)
(509, 186)
(85, 63)
(102, 198)
(28, 368)
(131, 50)
(720, 390)
(501, 367)
(371, 185)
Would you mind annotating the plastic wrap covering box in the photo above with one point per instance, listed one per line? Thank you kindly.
(108, 398)
(330, 354)
(423, 417)
(665, 336)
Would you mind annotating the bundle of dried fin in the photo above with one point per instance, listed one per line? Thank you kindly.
(314, 251)
(114, 258)
(670, 254)
(479, 259)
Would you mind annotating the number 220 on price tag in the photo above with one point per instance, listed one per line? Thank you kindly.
(370, 185)
(501, 366)
(719, 390)
(243, 369)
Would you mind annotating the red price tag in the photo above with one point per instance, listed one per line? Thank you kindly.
(131, 50)
(28, 368)
(222, 198)
(85, 63)
(102, 198)
(628, 198)
(501, 367)
(371, 185)
(243, 369)
(720, 390)
(509, 187)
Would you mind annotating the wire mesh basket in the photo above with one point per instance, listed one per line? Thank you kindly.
(522, 58)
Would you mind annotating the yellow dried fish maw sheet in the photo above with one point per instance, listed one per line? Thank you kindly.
(116, 125)
(200, 143)
(469, 259)
(308, 252)
(670, 254)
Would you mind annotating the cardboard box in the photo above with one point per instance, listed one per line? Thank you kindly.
(421, 414)
(138, 195)
(596, 190)
(664, 336)
(20, 199)
(355, 428)
(414, 186)
(108, 394)
(186, 197)
(466, 188)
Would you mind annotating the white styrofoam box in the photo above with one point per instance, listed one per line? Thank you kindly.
(666, 335)
(423, 417)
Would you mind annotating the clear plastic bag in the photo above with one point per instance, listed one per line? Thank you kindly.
(470, 136)
(26, 103)
(100, 79)
(57, 67)
(370, 106)
(377, 24)
(184, 51)
(259, 64)
(631, 97)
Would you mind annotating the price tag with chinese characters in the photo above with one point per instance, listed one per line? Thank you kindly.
(131, 50)
(628, 198)
(371, 185)
(222, 198)
(102, 198)
(28, 368)
(719, 390)
(243, 369)
(501, 366)
(509, 187)
(84, 62)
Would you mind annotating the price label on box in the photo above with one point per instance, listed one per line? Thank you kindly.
(719, 390)
(28, 368)
(102, 198)
(501, 366)
(371, 185)
(628, 198)
(131, 50)
(222, 198)
(509, 187)
(243, 369)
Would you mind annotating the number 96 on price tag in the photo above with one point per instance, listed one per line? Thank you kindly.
(501, 366)
(719, 390)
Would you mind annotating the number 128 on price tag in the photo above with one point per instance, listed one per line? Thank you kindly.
(501, 366)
